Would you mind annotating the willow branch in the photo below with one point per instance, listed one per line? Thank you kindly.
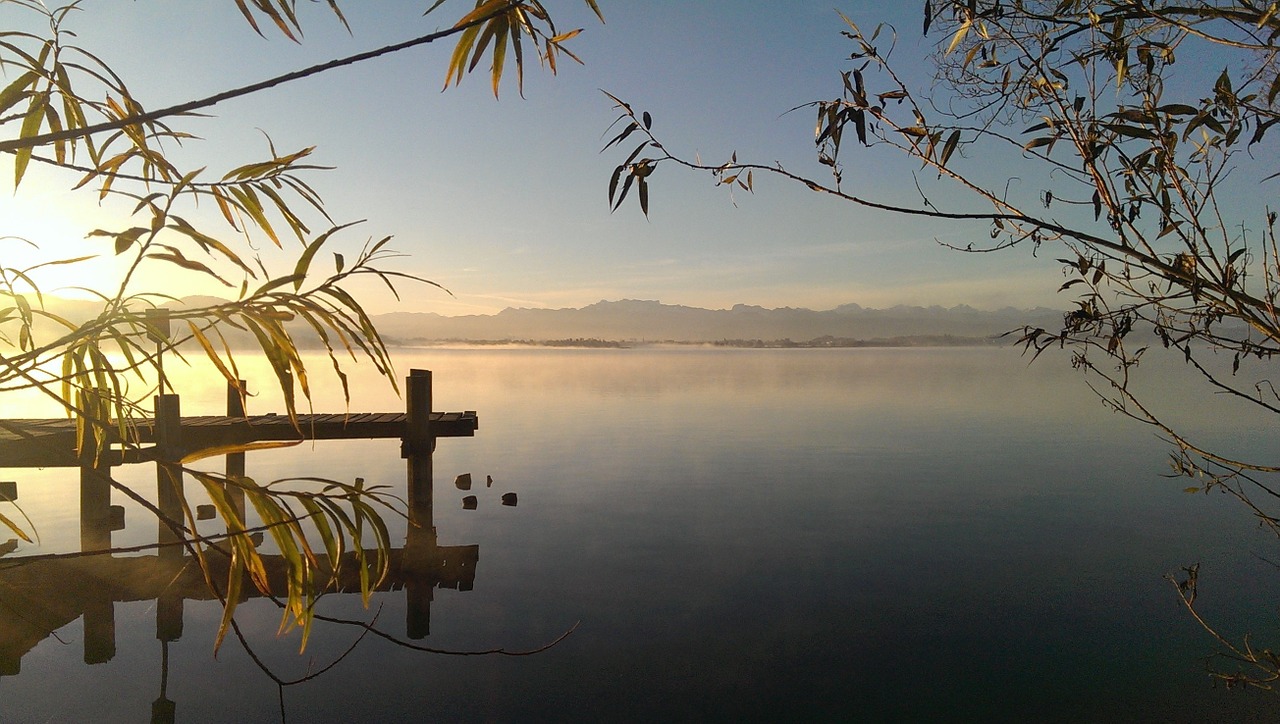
(190, 106)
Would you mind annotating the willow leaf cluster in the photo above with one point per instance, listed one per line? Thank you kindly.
(64, 107)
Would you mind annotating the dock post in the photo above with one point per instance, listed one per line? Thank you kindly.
(235, 461)
(420, 545)
(418, 443)
(168, 434)
(95, 472)
(169, 606)
(99, 617)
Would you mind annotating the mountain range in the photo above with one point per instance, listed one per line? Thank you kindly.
(637, 321)
(651, 321)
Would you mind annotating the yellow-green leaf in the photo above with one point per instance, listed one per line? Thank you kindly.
(241, 447)
(304, 261)
(13, 92)
(30, 127)
(961, 32)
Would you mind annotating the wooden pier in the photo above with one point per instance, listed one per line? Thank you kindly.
(44, 443)
(88, 587)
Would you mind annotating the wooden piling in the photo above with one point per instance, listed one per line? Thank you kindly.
(95, 472)
(420, 545)
(99, 620)
(418, 442)
(158, 331)
(168, 426)
(170, 500)
(235, 466)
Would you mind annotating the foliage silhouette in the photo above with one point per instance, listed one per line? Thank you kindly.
(1149, 186)
(65, 107)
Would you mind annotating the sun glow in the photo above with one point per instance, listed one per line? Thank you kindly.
(45, 225)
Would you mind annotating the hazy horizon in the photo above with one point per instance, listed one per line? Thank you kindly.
(53, 299)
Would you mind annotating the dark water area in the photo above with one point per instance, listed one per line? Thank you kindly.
(823, 535)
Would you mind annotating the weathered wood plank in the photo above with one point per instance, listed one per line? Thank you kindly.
(50, 442)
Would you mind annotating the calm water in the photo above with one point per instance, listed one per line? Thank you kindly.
(858, 535)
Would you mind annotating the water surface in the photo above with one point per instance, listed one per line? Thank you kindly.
(736, 534)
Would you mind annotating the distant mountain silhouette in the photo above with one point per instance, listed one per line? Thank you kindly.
(652, 321)
(632, 320)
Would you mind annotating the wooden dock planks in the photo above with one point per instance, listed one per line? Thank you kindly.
(51, 442)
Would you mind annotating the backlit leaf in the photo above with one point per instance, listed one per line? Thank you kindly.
(1038, 142)
(949, 147)
(499, 54)
(304, 261)
(959, 36)
(30, 127)
(16, 90)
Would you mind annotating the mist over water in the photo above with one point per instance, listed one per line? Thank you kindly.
(868, 534)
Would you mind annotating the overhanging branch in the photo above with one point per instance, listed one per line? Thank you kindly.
(45, 139)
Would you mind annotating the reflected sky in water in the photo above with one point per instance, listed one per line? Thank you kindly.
(851, 534)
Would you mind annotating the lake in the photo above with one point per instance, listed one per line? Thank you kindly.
(855, 535)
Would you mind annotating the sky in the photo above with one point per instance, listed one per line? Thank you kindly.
(503, 201)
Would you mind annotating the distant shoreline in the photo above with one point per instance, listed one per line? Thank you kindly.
(824, 342)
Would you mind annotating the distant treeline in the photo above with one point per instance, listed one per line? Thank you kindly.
(945, 340)
(572, 342)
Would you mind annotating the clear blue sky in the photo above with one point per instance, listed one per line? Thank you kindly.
(504, 201)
